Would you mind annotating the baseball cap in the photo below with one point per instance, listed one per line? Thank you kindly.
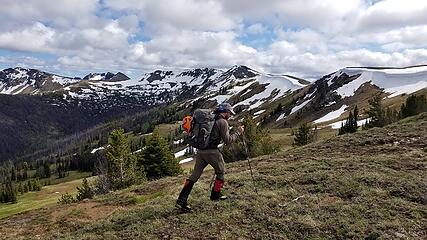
(223, 107)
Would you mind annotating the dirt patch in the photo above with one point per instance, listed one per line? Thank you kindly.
(329, 200)
(86, 211)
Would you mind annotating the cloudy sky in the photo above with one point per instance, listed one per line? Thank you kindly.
(306, 38)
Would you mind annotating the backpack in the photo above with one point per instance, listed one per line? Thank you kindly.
(202, 124)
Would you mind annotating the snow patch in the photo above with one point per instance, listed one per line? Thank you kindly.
(332, 115)
(186, 160)
(410, 88)
(295, 109)
(337, 125)
(281, 84)
(282, 116)
(97, 149)
(64, 80)
(180, 153)
(259, 112)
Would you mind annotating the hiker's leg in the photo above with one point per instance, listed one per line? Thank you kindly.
(217, 162)
(189, 183)
(199, 166)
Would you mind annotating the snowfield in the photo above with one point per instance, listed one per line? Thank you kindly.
(332, 115)
(393, 81)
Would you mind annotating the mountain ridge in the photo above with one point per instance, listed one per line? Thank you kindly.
(274, 101)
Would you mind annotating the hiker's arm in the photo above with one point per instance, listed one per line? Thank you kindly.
(224, 131)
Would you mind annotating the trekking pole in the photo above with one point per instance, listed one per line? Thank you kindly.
(249, 163)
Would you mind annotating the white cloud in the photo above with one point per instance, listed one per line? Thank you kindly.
(389, 14)
(35, 38)
(164, 16)
(303, 37)
(65, 13)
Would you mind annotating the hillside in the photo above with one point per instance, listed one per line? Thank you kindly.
(372, 184)
(70, 106)
(102, 98)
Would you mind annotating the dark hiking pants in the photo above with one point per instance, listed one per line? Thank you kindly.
(212, 157)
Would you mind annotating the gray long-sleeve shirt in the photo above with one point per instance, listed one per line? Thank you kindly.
(221, 133)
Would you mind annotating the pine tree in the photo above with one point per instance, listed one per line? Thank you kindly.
(413, 106)
(46, 170)
(85, 191)
(304, 135)
(20, 189)
(376, 112)
(122, 171)
(9, 193)
(25, 173)
(350, 125)
(258, 142)
(157, 158)
(30, 186)
(13, 173)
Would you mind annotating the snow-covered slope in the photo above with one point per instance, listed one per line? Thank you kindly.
(248, 90)
(331, 97)
(168, 86)
(31, 81)
(395, 81)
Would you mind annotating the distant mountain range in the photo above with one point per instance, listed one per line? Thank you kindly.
(38, 105)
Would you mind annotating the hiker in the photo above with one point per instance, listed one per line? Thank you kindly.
(212, 156)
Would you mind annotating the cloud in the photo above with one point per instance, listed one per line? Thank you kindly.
(64, 14)
(390, 14)
(307, 38)
(164, 16)
(35, 38)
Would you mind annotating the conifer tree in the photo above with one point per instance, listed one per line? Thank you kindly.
(258, 142)
(413, 106)
(30, 186)
(9, 193)
(13, 173)
(46, 170)
(304, 135)
(25, 173)
(85, 191)
(376, 112)
(350, 125)
(157, 158)
(122, 171)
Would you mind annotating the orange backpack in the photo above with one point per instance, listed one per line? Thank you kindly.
(186, 123)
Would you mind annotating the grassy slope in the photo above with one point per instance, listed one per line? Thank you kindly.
(48, 196)
(369, 184)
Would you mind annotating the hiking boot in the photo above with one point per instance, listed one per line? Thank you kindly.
(216, 190)
(181, 202)
(216, 196)
(183, 206)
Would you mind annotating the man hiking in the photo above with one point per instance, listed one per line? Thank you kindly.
(212, 156)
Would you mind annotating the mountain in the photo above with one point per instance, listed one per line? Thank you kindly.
(107, 77)
(329, 98)
(101, 97)
(273, 100)
(31, 81)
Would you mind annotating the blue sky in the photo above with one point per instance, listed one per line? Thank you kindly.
(305, 38)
